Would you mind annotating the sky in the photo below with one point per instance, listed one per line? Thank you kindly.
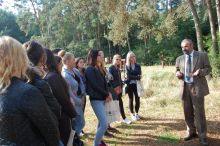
(8, 6)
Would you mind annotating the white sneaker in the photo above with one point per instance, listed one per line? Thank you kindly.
(133, 117)
(119, 122)
(137, 117)
(127, 121)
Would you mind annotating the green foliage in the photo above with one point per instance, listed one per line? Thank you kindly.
(80, 25)
(9, 26)
(215, 63)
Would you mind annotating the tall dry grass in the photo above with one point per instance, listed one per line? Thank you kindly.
(162, 120)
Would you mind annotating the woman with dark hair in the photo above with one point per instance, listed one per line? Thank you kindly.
(59, 62)
(60, 91)
(80, 65)
(23, 108)
(97, 89)
(37, 57)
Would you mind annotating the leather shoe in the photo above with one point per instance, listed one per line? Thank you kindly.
(190, 136)
(204, 141)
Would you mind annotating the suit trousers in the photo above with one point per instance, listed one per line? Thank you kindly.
(193, 108)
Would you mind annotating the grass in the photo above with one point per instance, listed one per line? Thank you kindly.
(166, 137)
(162, 121)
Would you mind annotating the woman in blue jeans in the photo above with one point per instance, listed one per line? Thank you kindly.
(97, 90)
(76, 88)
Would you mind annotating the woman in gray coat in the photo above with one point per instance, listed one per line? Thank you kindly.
(76, 88)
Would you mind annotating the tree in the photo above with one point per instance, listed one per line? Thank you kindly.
(213, 31)
(218, 13)
(197, 25)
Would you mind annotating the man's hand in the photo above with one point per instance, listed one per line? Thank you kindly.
(179, 74)
(195, 73)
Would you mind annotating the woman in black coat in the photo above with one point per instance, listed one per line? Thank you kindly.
(60, 91)
(23, 108)
(133, 72)
(115, 71)
(37, 57)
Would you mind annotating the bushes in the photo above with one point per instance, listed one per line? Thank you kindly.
(215, 63)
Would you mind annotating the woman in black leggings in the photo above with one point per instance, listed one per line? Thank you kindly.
(114, 70)
(133, 71)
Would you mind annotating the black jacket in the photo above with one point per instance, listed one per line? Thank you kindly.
(60, 91)
(96, 86)
(46, 91)
(133, 74)
(21, 107)
(116, 78)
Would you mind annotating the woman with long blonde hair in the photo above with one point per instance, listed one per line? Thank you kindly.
(133, 72)
(24, 109)
(76, 87)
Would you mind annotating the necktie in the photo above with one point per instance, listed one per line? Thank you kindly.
(188, 68)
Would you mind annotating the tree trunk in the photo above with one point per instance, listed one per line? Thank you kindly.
(145, 45)
(109, 44)
(90, 36)
(99, 35)
(96, 34)
(129, 47)
(197, 25)
(171, 6)
(218, 14)
(120, 49)
(39, 23)
(213, 31)
(166, 7)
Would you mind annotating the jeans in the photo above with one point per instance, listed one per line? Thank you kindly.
(79, 122)
(60, 143)
(99, 109)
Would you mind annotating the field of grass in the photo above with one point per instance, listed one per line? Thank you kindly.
(162, 121)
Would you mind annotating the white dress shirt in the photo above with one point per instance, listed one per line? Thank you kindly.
(186, 59)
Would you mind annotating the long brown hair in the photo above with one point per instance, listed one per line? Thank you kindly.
(92, 60)
(77, 61)
(52, 65)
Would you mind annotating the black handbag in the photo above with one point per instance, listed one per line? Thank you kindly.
(76, 140)
(113, 92)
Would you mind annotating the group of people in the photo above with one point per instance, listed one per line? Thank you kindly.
(43, 93)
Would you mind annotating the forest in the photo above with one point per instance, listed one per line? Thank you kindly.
(149, 28)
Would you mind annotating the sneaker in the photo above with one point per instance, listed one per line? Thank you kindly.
(119, 122)
(133, 117)
(82, 133)
(137, 117)
(111, 129)
(127, 121)
(108, 135)
(103, 143)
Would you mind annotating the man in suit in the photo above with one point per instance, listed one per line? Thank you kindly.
(191, 69)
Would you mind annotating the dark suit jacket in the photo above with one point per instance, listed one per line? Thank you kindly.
(96, 84)
(200, 60)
